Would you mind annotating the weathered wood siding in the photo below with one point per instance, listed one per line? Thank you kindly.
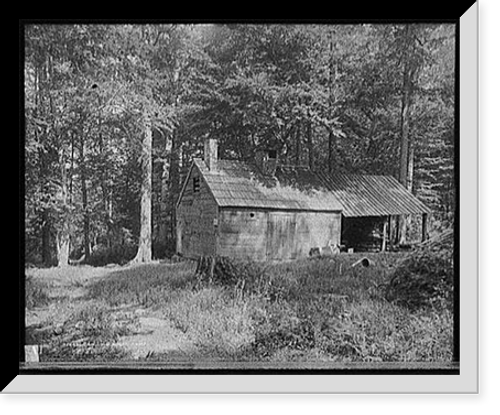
(197, 215)
(275, 235)
(242, 233)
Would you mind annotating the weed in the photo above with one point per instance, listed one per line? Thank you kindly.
(217, 324)
(424, 278)
(89, 334)
(145, 285)
(35, 293)
(306, 310)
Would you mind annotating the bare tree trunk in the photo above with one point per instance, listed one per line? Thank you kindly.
(163, 216)
(63, 226)
(144, 252)
(298, 148)
(173, 186)
(63, 223)
(404, 135)
(331, 78)
(331, 144)
(86, 219)
(63, 245)
(42, 168)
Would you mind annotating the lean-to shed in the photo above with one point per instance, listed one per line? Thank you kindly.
(371, 201)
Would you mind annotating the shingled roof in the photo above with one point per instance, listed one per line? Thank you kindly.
(366, 195)
(241, 184)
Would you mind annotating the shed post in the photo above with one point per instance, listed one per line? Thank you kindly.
(384, 234)
(424, 227)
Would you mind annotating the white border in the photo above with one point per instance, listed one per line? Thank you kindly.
(466, 382)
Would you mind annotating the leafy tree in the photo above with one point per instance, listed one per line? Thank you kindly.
(115, 113)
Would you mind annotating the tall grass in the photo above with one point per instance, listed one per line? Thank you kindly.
(35, 293)
(145, 285)
(309, 310)
(328, 309)
(89, 334)
(218, 324)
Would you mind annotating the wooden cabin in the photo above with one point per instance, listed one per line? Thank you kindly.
(264, 211)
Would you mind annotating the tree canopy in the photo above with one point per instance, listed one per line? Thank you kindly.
(114, 111)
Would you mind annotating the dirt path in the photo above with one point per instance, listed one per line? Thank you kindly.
(155, 335)
(150, 333)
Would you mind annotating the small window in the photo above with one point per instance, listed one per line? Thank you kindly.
(196, 184)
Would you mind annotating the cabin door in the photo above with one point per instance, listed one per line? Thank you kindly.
(281, 235)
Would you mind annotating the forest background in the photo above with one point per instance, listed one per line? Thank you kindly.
(113, 115)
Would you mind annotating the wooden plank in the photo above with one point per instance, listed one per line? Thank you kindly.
(242, 233)
(281, 234)
(424, 227)
(196, 214)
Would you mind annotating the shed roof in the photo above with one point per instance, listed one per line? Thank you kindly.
(366, 195)
(240, 184)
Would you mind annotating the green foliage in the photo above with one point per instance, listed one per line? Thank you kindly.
(325, 95)
(319, 309)
(114, 254)
(344, 317)
(425, 277)
(35, 293)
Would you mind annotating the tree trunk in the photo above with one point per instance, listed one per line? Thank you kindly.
(63, 225)
(173, 186)
(144, 252)
(404, 134)
(331, 78)
(163, 225)
(411, 163)
(310, 147)
(45, 224)
(107, 191)
(298, 148)
(86, 219)
(331, 144)
(45, 238)
(63, 245)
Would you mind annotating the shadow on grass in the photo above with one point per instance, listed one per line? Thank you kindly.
(145, 285)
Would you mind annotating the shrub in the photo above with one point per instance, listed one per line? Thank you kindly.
(424, 277)
(35, 293)
(114, 254)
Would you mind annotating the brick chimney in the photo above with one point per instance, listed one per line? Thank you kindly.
(210, 152)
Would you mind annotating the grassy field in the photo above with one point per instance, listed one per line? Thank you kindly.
(311, 310)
